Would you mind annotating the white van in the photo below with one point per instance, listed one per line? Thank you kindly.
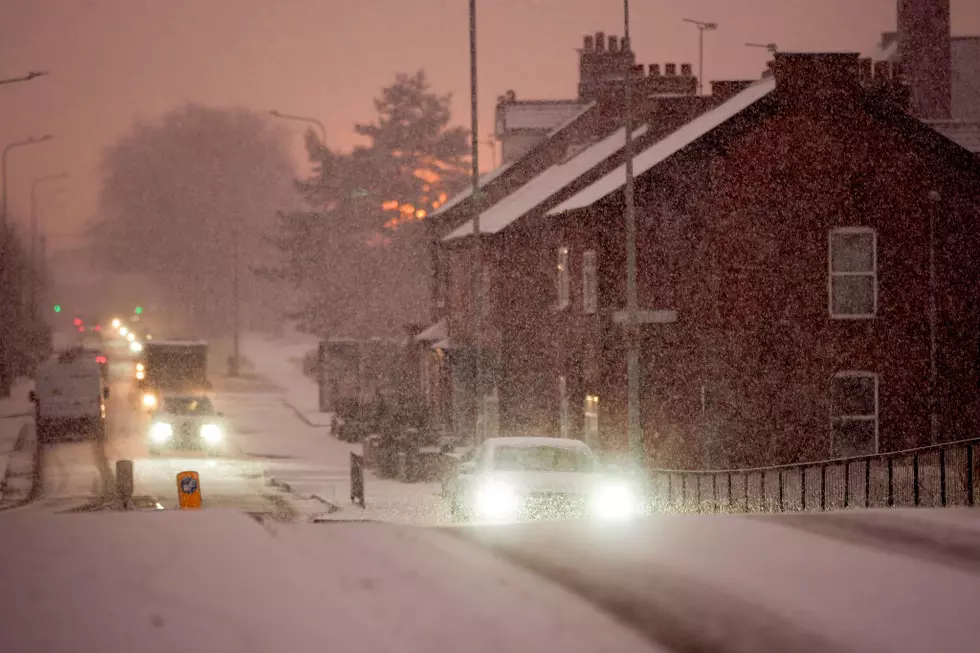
(70, 396)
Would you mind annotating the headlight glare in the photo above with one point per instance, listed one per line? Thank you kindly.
(211, 433)
(160, 432)
(497, 500)
(149, 400)
(615, 501)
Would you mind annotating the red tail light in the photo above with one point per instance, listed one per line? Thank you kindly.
(78, 321)
(100, 359)
(98, 327)
(81, 329)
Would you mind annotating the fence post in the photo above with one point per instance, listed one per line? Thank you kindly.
(782, 502)
(670, 490)
(867, 482)
(683, 491)
(357, 479)
(762, 491)
(697, 496)
(746, 477)
(803, 487)
(891, 482)
(730, 502)
(969, 474)
(915, 480)
(942, 476)
(823, 488)
(714, 492)
(847, 484)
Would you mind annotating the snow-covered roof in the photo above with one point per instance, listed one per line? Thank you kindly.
(496, 172)
(485, 179)
(536, 441)
(540, 115)
(545, 185)
(668, 146)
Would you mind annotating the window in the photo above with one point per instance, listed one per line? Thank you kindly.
(563, 289)
(591, 422)
(853, 284)
(590, 283)
(854, 414)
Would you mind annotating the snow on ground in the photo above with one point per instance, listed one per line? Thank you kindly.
(16, 413)
(307, 458)
(218, 581)
(773, 583)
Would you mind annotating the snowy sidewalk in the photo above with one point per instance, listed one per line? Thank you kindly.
(304, 456)
(16, 417)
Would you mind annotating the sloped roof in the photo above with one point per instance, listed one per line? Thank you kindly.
(964, 134)
(668, 146)
(488, 177)
(545, 185)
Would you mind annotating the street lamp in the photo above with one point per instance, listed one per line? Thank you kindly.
(702, 28)
(313, 121)
(634, 431)
(26, 78)
(33, 251)
(3, 170)
(767, 46)
(476, 206)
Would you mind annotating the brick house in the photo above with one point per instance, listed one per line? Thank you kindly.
(785, 234)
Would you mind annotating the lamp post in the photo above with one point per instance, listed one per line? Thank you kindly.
(634, 430)
(3, 169)
(767, 46)
(312, 121)
(34, 234)
(476, 205)
(702, 28)
(25, 78)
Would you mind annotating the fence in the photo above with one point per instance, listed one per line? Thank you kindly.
(939, 475)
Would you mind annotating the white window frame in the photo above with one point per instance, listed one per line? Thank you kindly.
(563, 280)
(831, 274)
(857, 418)
(590, 282)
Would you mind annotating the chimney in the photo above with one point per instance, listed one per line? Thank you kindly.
(670, 69)
(654, 70)
(687, 70)
(600, 42)
(812, 76)
(613, 44)
(637, 70)
(883, 71)
(924, 50)
(588, 45)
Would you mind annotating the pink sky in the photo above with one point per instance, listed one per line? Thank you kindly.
(113, 62)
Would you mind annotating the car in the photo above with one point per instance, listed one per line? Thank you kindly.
(532, 478)
(186, 421)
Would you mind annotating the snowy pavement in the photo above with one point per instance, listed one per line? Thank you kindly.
(303, 455)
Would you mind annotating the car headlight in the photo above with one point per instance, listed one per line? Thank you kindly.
(149, 400)
(211, 432)
(615, 501)
(160, 432)
(496, 500)
(140, 375)
(135, 347)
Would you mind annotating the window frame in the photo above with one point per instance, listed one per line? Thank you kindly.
(590, 282)
(563, 280)
(831, 274)
(864, 374)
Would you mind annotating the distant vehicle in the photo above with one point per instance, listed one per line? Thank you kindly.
(70, 396)
(531, 478)
(172, 367)
(186, 421)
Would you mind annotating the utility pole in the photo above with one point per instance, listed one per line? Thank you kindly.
(35, 271)
(634, 430)
(235, 365)
(477, 240)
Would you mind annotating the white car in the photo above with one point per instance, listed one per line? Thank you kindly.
(186, 421)
(527, 478)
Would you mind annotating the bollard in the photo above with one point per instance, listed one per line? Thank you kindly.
(357, 479)
(124, 482)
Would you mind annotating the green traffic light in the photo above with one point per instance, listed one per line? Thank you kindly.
(139, 309)
(57, 308)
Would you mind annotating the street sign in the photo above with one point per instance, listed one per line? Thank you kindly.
(189, 490)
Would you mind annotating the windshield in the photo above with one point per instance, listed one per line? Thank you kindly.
(188, 406)
(543, 458)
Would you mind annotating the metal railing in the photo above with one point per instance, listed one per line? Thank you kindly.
(939, 475)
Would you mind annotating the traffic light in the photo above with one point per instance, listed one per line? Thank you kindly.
(57, 308)
(78, 321)
(139, 310)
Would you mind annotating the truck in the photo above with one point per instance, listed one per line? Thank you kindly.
(69, 396)
(172, 366)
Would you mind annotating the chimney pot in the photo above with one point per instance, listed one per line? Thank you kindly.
(670, 69)
(882, 71)
(654, 70)
(637, 70)
(588, 45)
(865, 73)
(687, 70)
(613, 44)
(600, 41)
(898, 71)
